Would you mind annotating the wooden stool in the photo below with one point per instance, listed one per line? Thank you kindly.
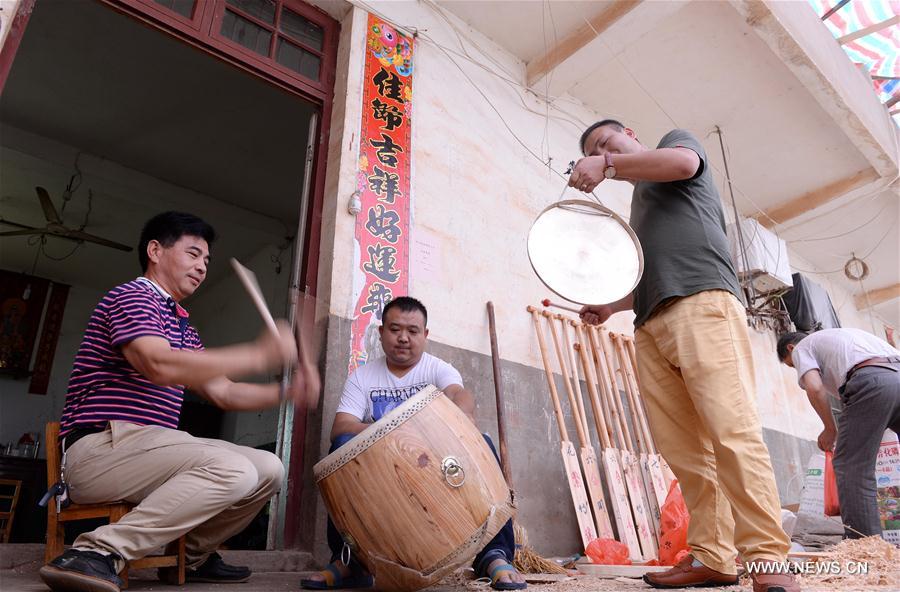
(6, 516)
(174, 554)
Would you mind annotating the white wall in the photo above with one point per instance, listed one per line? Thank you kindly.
(475, 189)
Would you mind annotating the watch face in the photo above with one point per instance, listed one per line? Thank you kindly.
(609, 172)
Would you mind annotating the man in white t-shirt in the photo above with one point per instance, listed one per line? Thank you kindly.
(372, 391)
(864, 372)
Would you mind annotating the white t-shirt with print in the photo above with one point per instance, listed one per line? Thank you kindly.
(834, 352)
(372, 390)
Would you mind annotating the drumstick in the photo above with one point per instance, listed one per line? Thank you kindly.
(547, 302)
(248, 279)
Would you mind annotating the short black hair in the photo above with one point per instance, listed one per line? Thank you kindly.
(611, 122)
(168, 227)
(405, 304)
(786, 340)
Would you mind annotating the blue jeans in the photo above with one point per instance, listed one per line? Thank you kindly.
(502, 546)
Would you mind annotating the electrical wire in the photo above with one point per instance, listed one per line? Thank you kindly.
(449, 53)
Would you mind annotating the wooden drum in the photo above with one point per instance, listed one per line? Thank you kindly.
(417, 494)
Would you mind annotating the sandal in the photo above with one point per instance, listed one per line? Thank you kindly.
(502, 570)
(335, 581)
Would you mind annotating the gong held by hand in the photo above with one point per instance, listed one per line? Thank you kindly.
(584, 252)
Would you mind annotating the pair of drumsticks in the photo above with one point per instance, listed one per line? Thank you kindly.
(305, 367)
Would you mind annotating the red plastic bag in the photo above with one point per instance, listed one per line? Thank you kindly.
(608, 552)
(832, 504)
(673, 527)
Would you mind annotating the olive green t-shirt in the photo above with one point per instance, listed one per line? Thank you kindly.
(681, 227)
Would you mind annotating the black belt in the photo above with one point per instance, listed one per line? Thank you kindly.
(77, 434)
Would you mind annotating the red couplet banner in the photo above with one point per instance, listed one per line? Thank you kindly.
(383, 182)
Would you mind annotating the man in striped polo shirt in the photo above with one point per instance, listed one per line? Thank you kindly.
(119, 426)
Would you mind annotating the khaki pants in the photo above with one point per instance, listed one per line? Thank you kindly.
(696, 373)
(209, 489)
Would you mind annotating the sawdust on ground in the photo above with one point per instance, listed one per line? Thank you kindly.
(838, 569)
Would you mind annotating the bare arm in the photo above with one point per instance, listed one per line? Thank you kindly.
(463, 398)
(155, 359)
(345, 423)
(246, 396)
(662, 165)
(818, 398)
(596, 314)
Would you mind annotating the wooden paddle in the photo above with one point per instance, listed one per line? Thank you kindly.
(653, 475)
(668, 476)
(630, 464)
(651, 499)
(567, 449)
(615, 479)
(587, 454)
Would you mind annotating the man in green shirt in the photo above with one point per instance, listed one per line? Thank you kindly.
(694, 359)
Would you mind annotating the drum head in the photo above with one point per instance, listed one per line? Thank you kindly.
(585, 253)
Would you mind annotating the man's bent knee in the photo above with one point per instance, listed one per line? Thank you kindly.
(270, 470)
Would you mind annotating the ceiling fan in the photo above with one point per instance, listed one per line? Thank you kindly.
(55, 226)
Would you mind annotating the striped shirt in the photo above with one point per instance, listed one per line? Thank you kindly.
(103, 386)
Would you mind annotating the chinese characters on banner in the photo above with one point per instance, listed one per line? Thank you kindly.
(383, 182)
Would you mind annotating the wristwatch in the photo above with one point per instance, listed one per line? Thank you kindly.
(610, 171)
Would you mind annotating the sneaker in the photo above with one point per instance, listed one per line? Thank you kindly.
(82, 571)
(215, 571)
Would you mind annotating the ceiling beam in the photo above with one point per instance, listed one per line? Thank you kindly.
(876, 297)
(592, 28)
(892, 101)
(815, 198)
(850, 37)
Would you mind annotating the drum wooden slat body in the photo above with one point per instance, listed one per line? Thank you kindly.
(386, 491)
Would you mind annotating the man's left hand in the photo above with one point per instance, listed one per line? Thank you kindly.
(588, 173)
(826, 439)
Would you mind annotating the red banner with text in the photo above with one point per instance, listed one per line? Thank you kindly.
(383, 184)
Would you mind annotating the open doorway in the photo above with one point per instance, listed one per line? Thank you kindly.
(119, 121)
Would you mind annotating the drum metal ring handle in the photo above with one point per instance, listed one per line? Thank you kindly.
(454, 474)
(347, 549)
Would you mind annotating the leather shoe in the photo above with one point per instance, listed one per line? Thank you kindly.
(685, 575)
(774, 583)
(77, 570)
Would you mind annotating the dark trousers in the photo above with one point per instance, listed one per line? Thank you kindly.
(503, 545)
(871, 402)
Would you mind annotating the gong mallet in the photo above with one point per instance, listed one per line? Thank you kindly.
(547, 303)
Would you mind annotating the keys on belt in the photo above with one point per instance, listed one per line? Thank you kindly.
(59, 491)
